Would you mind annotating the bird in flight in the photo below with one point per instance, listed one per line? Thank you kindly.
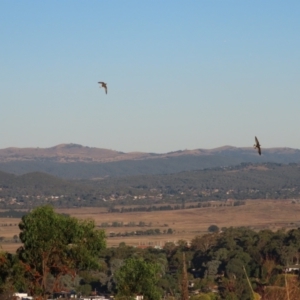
(104, 85)
(257, 146)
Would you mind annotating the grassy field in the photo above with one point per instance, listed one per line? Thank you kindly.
(187, 223)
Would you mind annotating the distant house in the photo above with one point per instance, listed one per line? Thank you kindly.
(292, 268)
(22, 296)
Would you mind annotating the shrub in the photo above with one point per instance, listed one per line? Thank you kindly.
(213, 228)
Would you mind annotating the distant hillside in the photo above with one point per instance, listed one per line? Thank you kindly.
(245, 181)
(37, 183)
(72, 161)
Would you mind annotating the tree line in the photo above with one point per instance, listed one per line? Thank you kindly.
(155, 231)
(148, 208)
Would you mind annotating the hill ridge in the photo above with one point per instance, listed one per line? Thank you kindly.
(78, 153)
(75, 161)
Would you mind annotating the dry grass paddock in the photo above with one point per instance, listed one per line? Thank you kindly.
(187, 223)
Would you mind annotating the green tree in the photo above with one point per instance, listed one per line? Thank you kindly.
(84, 289)
(170, 248)
(204, 243)
(138, 276)
(11, 273)
(213, 228)
(55, 245)
(212, 267)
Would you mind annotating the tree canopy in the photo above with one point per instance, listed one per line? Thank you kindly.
(138, 276)
(55, 245)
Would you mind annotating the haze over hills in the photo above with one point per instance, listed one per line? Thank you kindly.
(75, 161)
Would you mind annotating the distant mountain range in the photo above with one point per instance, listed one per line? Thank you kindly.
(73, 161)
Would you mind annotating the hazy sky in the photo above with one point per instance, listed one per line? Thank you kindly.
(181, 74)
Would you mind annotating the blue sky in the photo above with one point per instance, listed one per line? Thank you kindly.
(180, 74)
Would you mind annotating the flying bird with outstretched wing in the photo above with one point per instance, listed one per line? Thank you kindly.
(257, 146)
(104, 85)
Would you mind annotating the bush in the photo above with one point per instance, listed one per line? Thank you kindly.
(213, 228)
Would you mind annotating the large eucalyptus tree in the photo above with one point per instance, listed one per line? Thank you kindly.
(55, 245)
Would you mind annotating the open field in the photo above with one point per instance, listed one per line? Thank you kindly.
(187, 223)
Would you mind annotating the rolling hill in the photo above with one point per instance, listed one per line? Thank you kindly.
(72, 161)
